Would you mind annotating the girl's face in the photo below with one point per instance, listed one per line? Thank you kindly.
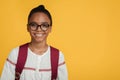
(39, 27)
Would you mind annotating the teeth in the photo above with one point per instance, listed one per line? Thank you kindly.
(39, 35)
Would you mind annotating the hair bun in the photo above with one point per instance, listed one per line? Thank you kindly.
(41, 7)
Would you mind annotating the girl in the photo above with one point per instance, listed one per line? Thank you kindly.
(38, 63)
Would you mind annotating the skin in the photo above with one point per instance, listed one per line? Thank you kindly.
(38, 43)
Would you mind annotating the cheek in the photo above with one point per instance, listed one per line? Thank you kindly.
(49, 30)
(29, 31)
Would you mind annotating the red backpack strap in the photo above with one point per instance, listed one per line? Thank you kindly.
(54, 62)
(22, 56)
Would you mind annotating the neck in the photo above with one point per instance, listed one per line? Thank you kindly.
(38, 48)
(38, 45)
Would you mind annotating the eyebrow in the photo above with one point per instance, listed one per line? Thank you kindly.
(41, 22)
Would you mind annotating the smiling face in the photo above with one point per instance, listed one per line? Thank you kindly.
(38, 35)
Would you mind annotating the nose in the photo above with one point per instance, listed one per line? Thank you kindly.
(39, 28)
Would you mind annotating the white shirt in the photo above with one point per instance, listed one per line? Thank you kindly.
(37, 67)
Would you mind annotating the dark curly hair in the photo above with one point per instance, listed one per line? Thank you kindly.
(40, 8)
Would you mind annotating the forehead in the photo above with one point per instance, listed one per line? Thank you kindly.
(39, 17)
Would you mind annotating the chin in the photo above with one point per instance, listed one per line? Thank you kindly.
(39, 40)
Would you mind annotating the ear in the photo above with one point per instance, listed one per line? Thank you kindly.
(50, 30)
(27, 28)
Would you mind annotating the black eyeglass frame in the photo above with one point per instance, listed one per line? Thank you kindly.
(35, 25)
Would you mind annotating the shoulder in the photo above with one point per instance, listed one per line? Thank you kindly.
(14, 51)
(56, 49)
(13, 55)
(61, 55)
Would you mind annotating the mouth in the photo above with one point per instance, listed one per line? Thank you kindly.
(38, 34)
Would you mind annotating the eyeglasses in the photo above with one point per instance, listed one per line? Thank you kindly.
(34, 26)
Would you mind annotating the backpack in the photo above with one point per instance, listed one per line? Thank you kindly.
(22, 56)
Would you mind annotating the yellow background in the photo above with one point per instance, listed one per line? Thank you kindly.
(86, 31)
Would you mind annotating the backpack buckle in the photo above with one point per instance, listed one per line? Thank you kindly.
(17, 75)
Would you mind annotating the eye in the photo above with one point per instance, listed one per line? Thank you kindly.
(32, 24)
(45, 25)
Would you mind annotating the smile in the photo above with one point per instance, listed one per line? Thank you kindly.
(39, 35)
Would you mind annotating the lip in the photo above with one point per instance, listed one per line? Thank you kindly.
(38, 34)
